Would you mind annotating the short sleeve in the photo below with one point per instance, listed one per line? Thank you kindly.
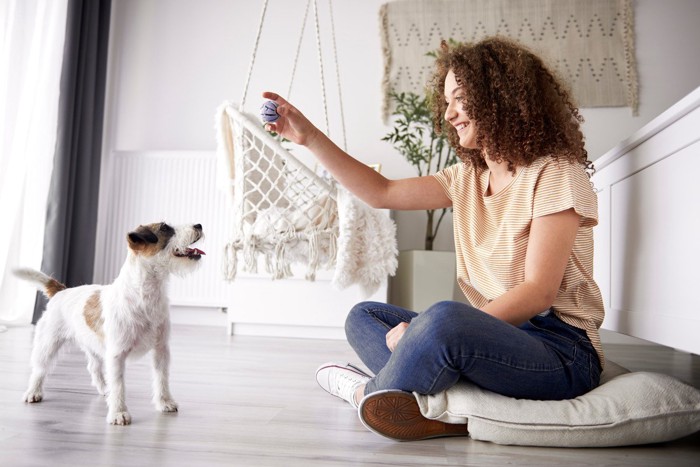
(562, 185)
(446, 177)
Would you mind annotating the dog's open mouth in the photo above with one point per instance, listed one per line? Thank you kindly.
(191, 253)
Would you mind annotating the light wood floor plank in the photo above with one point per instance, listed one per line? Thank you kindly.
(254, 402)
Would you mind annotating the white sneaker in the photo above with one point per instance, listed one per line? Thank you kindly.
(341, 380)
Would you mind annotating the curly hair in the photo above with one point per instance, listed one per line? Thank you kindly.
(521, 110)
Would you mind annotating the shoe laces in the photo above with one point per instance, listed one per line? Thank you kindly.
(346, 383)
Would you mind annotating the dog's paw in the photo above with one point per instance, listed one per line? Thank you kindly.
(32, 396)
(119, 418)
(168, 405)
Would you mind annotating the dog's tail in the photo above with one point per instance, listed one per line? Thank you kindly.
(48, 285)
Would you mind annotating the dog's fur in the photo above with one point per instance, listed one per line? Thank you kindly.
(111, 322)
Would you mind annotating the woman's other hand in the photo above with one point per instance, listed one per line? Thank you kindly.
(395, 334)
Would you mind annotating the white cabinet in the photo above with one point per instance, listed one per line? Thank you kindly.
(647, 257)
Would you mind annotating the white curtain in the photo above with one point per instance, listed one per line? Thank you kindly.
(31, 53)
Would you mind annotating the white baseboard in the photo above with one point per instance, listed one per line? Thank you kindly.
(612, 337)
(282, 330)
(198, 315)
(215, 316)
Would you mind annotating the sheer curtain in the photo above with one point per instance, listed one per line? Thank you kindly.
(31, 52)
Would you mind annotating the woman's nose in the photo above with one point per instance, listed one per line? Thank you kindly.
(450, 112)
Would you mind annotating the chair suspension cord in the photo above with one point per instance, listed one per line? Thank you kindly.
(252, 57)
(337, 75)
(320, 67)
(296, 57)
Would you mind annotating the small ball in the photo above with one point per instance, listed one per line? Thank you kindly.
(268, 112)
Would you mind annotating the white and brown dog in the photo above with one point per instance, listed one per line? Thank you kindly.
(111, 322)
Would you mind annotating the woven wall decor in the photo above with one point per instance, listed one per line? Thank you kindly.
(590, 43)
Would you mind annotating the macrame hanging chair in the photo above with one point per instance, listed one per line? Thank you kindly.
(283, 211)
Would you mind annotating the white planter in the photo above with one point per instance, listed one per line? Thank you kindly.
(424, 278)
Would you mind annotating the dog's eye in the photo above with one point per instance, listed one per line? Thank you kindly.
(166, 230)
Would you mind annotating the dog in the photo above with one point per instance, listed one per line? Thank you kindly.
(112, 322)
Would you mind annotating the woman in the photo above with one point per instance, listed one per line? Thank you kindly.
(523, 212)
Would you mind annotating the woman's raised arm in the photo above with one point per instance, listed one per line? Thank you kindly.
(364, 182)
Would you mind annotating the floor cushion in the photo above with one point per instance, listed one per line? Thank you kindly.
(626, 409)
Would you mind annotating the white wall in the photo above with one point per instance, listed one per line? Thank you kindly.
(668, 64)
(174, 61)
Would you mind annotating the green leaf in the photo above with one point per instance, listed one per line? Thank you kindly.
(413, 136)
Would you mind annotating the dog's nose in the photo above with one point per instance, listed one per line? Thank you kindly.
(198, 226)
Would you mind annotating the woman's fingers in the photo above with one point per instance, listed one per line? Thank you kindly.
(273, 96)
(394, 335)
(270, 95)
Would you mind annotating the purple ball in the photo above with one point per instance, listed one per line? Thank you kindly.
(268, 112)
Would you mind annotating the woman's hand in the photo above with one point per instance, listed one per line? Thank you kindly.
(395, 334)
(291, 124)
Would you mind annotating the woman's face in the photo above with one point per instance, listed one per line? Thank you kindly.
(455, 115)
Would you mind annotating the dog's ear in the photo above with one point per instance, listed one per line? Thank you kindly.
(138, 239)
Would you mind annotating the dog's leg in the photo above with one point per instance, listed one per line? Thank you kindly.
(96, 368)
(47, 342)
(161, 367)
(116, 404)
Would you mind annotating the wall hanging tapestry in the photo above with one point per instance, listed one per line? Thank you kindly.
(589, 43)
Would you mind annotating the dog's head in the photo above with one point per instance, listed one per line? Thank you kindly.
(165, 247)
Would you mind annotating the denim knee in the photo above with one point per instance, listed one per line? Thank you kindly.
(439, 319)
(356, 317)
(357, 314)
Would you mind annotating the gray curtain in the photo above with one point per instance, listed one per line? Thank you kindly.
(71, 218)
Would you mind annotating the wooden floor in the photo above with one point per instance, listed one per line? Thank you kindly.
(253, 401)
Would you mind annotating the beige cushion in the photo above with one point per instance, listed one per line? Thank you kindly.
(626, 409)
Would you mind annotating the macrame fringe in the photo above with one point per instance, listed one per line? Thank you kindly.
(386, 51)
(280, 253)
(230, 263)
(630, 60)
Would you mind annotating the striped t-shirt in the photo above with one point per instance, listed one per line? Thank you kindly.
(491, 235)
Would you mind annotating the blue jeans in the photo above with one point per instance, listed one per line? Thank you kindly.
(543, 359)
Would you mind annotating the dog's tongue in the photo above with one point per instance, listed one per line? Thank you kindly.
(195, 251)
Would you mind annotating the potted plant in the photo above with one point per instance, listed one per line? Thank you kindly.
(423, 276)
(415, 138)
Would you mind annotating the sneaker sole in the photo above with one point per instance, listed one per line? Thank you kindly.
(396, 415)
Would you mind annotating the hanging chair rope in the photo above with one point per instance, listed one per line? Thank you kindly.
(296, 56)
(296, 59)
(252, 56)
(337, 75)
(320, 67)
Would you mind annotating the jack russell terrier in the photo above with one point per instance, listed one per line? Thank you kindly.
(112, 322)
